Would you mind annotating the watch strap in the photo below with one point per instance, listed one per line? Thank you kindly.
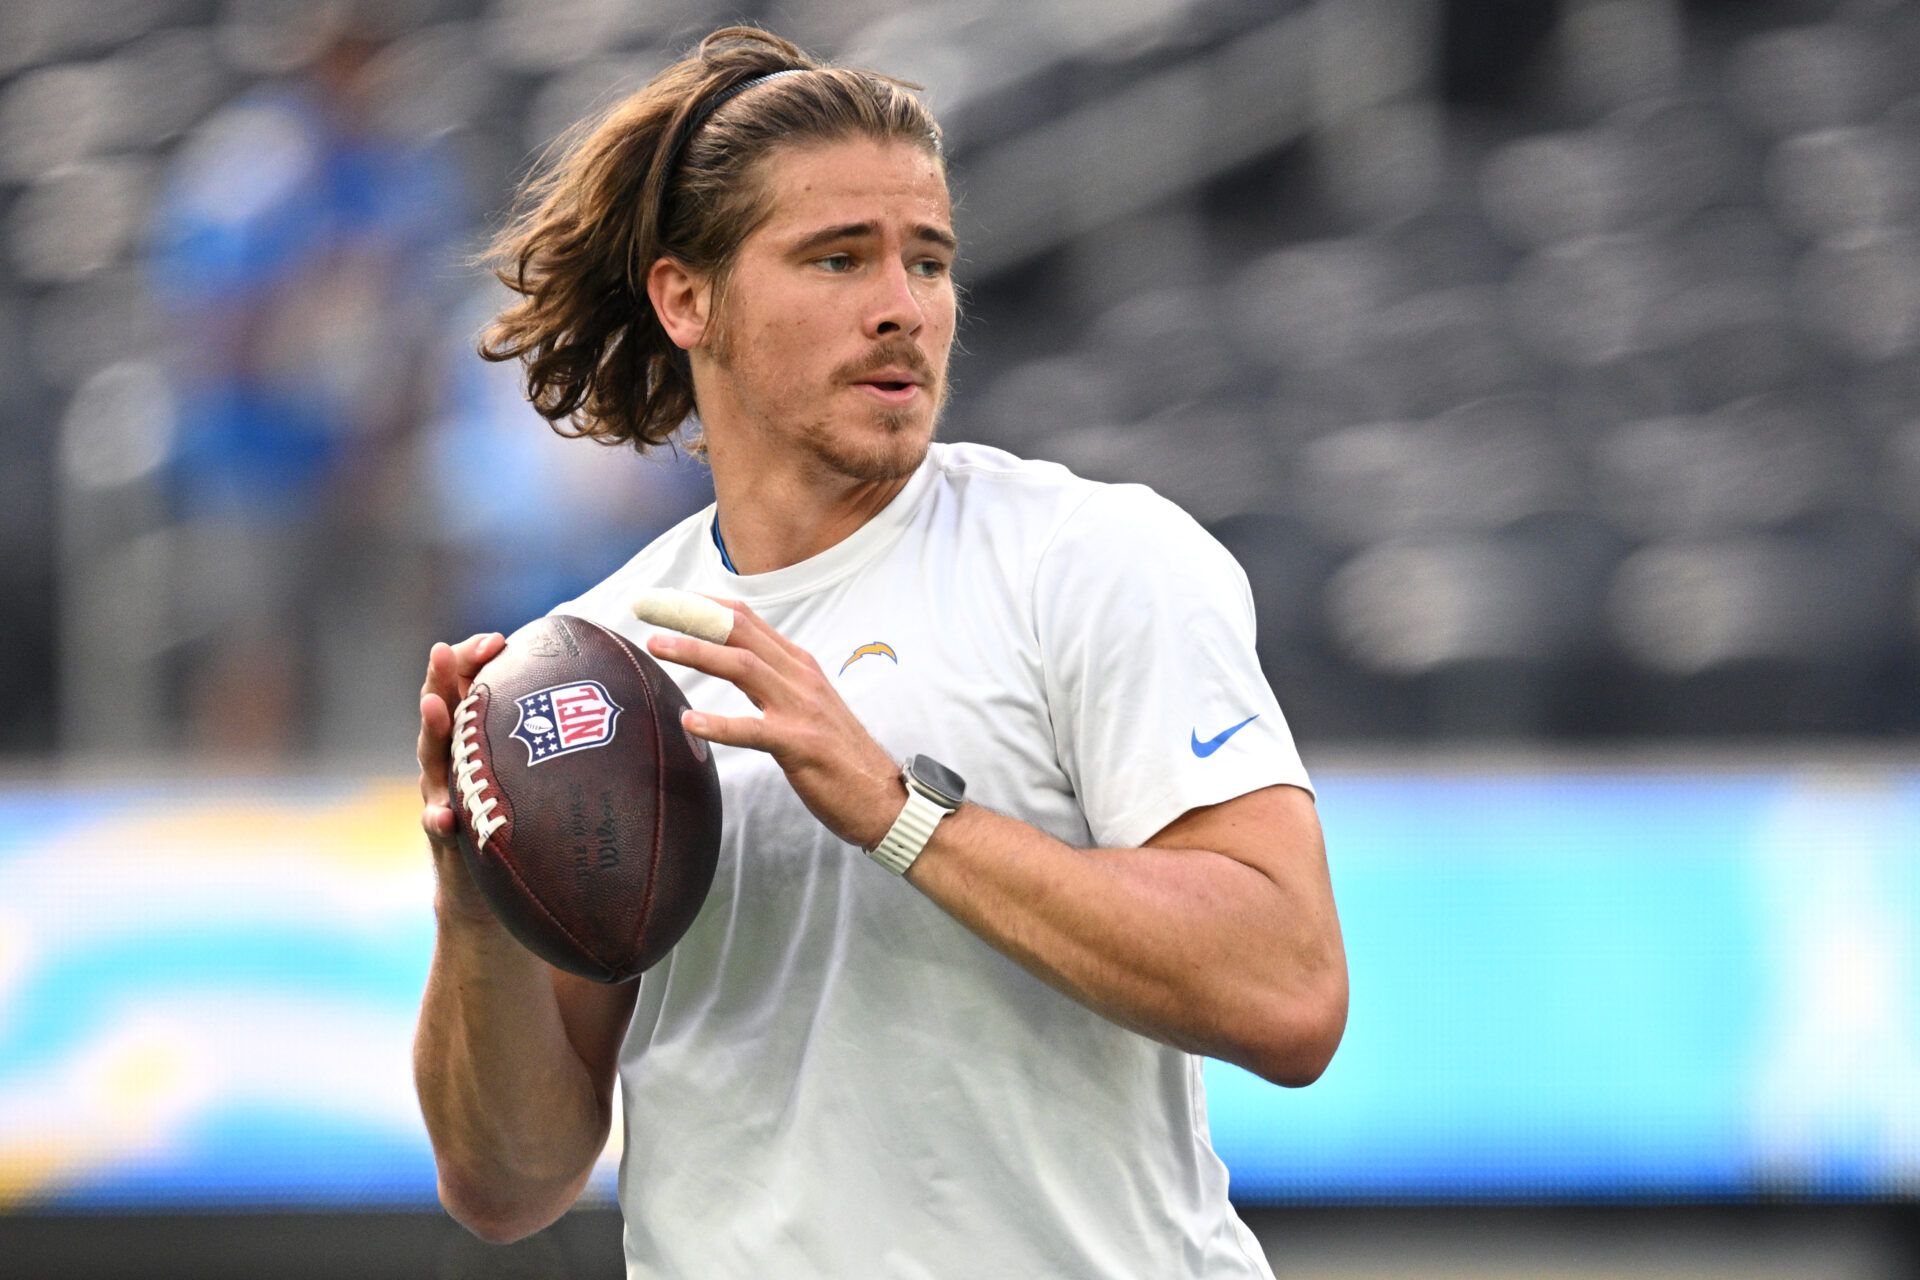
(909, 833)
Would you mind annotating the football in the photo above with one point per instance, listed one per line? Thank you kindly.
(588, 816)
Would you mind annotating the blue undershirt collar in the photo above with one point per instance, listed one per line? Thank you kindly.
(724, 559)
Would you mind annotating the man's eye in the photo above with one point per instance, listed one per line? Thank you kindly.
(836, 261)
(930, 267)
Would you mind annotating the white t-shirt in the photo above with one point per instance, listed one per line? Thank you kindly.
(829, 1076)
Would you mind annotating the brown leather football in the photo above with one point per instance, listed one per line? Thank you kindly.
(588, 816)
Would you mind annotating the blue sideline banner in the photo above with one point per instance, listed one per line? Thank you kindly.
(1565, 986)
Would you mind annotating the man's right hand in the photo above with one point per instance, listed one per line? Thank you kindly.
(450, 672)
(514, 1061)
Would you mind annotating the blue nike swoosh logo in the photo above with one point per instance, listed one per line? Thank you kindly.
(1213, 744)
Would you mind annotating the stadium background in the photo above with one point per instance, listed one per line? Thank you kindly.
(1554, 369)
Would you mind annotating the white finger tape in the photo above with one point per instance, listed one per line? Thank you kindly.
(684, 611)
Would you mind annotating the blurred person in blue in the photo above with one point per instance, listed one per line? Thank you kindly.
(572, 515)
(296, 253)
(909, 1034)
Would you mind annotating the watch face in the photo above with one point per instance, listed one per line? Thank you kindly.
(936, 777)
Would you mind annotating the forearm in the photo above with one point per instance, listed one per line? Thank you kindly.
(514, 1115)
(1188, 946)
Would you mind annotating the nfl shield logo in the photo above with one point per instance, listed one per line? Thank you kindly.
(565, 717)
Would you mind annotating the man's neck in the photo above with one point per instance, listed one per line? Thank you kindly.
(773, 516)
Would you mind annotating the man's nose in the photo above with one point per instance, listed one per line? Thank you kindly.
(897, 309)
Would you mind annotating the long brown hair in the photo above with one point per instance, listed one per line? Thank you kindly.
(652, 178)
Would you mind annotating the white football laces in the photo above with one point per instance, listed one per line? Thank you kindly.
(467, 775)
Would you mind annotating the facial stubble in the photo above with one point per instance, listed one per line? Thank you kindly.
(902, 450)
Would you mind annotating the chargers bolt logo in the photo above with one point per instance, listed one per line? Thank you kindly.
(877, 647)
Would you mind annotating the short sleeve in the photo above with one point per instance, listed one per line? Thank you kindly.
(1158, 702)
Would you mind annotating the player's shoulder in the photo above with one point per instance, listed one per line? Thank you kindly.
(1046, 524)
(980, 473)
(674, 556)
(1035, 491)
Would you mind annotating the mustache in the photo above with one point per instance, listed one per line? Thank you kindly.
(903, 355)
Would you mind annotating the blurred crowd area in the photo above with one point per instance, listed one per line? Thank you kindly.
(1553, 368)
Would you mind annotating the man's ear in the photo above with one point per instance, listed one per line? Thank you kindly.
(681, 299)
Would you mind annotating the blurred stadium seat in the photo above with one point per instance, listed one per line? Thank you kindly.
(1678, 212)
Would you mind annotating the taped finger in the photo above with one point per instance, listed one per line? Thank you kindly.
(684, 611)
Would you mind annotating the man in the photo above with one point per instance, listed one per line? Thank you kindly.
(905, 1037)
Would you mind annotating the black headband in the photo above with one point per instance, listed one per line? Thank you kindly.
(706, 109)
(718, 100)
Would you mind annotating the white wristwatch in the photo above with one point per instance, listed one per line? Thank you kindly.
(933, 792)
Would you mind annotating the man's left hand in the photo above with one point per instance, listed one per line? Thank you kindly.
(840, 773)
